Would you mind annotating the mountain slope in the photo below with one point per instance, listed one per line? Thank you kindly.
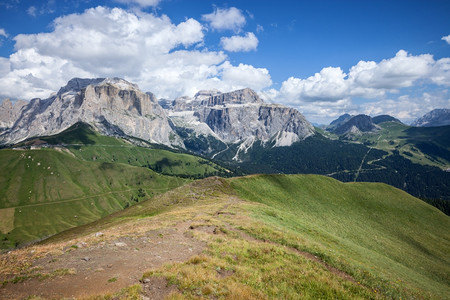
(113, 106)
(384, 118)
(284, 236)
(47, 191)
(356, 125)
(212, 121)
(79, 176)
(436, 117)
(87, 144)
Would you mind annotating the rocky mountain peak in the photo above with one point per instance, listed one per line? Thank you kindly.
(112, 105)
(77, 84)
(204, 94)
(244, 96)
(436, 117)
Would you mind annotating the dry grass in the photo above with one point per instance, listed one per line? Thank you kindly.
(6, 220)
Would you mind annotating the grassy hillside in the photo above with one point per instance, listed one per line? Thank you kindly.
(381, 235)
(265, 237)
(45, 191)
(422, 145)
(89, 145)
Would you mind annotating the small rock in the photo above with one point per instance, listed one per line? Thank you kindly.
(146, 280)
(120, 244)
(98, 234)
(145, 298)
(109, 266)
(86, 258)
(32, 251)
(81, 245)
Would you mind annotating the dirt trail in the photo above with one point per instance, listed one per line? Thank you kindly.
(109, 266)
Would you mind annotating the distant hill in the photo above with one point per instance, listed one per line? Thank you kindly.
(435, 118)
(339, 121)
(384, 118)
(356, 125)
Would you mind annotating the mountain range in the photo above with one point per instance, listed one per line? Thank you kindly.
(116, 107)
(238, 129)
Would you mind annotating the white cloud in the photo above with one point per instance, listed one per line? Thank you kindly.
(328, 85)
(408, 108)
(3, 33)
(162, 57)
(441, 72)
(141, 3)
(244, 76)
(446, 38)
(330, 92)
(237, 43)
(222, 19)
(397, 72)
(367, 79)
(32, 11)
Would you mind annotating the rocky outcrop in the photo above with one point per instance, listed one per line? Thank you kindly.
(10, 112)
(112, 106)
(208, 123)
(239, 117)
(435, 118)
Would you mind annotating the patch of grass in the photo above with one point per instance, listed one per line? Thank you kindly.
(113, 279)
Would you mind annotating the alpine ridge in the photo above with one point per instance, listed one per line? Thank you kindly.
(113, 106)
(238, 117)
(206, 124)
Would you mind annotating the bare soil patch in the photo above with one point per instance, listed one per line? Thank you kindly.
(109, 266)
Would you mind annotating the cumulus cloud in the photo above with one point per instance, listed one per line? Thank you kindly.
(245, 76)
(367, 79)
(160, 56)
(406, 107)
(397, 72)
(225, 19)
(141, 3)
(330, 92)
(446, 38)
(237, 43)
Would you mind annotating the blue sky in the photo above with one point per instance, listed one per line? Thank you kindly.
(324, 58)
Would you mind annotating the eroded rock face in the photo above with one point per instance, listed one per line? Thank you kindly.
(240, 116)
(436, 117)
(113, 106)
(210, 119)
(10, 112)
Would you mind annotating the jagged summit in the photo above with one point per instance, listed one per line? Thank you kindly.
(239, 117)
(203, 124)
(436, 117)
(111, 105)
(78, 84)
(244, 96)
